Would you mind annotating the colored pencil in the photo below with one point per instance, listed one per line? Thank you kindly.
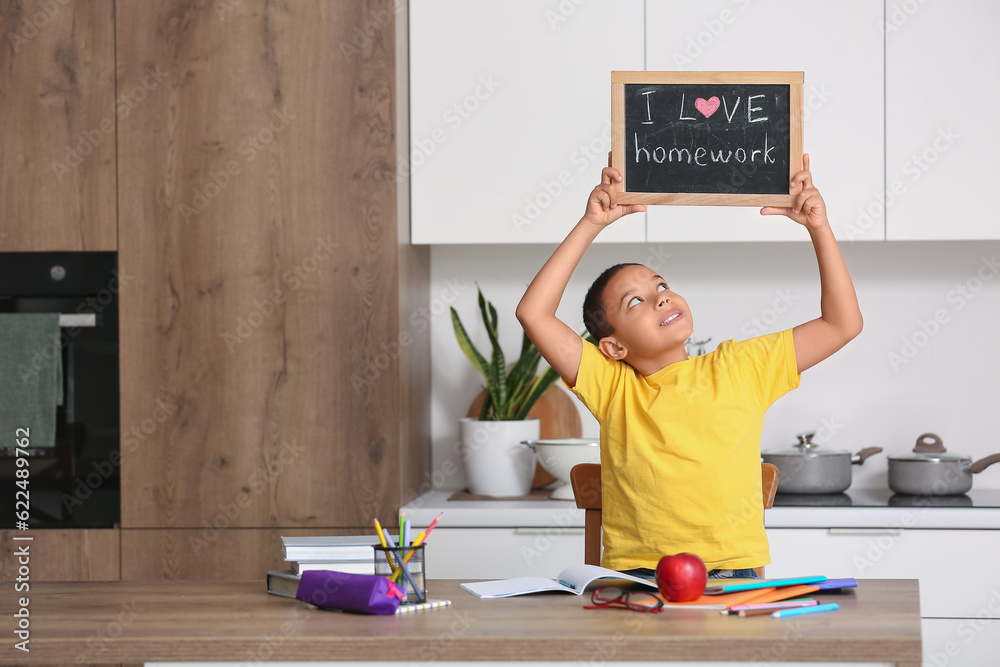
(434, 523)
(420, 606)
(763, 583)
(773, 605)
(405, 572)
(784, 593)
(768, 609)
(421, 536)
(805, 610)
(382, 538)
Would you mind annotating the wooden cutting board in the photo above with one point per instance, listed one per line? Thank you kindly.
(558, 418)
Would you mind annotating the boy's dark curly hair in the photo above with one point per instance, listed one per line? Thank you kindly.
(594, 316)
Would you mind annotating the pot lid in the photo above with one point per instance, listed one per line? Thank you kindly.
(806, 447)
(930, 458)
(930, 449)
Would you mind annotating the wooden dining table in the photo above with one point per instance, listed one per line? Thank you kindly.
(172, 621)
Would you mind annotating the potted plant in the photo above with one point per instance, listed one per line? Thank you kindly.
(496, 461)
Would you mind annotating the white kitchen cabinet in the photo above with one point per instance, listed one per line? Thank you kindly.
(840, 49)
(957, 569)
(941, 99)
(510, 116)
(962, 642)
(502, 553)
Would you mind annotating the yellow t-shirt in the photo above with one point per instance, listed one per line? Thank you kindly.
(680, 451)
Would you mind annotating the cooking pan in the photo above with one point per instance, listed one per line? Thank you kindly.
(932, 471)
(808, 468)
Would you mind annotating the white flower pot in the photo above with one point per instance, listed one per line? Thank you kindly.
(496, 463)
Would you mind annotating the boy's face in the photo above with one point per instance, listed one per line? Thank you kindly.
(651, 323)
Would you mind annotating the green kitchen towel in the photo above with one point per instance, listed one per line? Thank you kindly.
(30, 377)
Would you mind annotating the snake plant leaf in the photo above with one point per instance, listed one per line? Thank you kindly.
(539, 387)
(493, 317)
(532, 359)
(526, 345)
(485, 412)
(497, 362)
(477, 359)
(517, 371)
(523, 374)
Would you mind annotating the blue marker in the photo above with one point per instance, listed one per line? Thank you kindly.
(797, 611)
(762, 583)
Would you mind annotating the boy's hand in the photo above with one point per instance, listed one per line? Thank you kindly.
(809, 208)
(602, 209)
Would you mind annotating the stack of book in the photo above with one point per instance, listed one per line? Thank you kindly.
(342, 553)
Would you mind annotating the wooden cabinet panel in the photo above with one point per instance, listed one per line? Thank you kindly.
(262, 359)
(208, 554)
(58, 115)
(62, 555)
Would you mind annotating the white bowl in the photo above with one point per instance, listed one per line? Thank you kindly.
(559, 456)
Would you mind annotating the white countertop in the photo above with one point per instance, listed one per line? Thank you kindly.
(492, 513)
(565, 514)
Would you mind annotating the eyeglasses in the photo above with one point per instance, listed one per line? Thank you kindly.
(608, 596)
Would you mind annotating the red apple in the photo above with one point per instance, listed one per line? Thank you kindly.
(681, 577)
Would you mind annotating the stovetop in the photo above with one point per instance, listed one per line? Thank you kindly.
(975, 498)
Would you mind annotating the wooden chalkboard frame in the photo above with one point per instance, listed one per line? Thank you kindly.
(619, 79)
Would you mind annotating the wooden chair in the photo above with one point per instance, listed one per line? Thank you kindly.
(586, 481)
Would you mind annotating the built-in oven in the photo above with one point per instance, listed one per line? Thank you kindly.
(73, 479)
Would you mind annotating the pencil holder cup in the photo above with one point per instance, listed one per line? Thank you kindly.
(404, 567)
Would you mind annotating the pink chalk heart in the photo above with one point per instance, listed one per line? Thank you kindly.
(707, 107)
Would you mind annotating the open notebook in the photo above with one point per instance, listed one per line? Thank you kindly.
(573, 579)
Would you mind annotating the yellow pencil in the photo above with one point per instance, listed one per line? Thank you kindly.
(385, 545)
(381, 535)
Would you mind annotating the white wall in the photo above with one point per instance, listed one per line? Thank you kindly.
(948, 382)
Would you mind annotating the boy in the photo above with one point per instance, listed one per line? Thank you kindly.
(680, 436)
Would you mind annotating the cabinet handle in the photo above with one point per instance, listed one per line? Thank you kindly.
(865, 531)
(548, 531)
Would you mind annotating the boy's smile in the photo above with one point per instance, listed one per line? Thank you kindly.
(651, 323)
(671, 317)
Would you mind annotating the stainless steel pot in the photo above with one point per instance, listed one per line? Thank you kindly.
(806, 468)
(931, 471)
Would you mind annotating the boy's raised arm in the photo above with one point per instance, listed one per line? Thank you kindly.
(559, 344)
(840, 319)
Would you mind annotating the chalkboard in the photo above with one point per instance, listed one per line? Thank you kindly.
(707, 138)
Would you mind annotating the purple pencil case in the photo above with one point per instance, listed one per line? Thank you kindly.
(359, 593)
